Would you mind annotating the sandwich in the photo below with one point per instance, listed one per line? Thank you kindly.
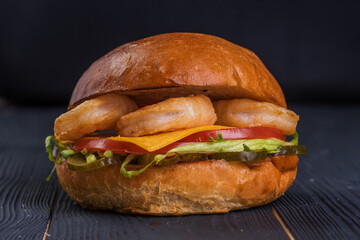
(175, 124)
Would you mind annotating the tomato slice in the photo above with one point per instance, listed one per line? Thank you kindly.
(103, 144)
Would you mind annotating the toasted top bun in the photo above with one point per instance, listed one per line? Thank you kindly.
(178, 64)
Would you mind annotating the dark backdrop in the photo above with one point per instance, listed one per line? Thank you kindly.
(311, 47)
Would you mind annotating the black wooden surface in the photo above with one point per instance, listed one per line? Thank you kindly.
(71, 220)
(323, 203)
(25, 198)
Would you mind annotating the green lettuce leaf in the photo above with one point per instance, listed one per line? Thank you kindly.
(269, 145)
(49, 150)
(295, 141)
(62, 146)
(134, 173)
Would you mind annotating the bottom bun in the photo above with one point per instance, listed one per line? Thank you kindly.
(204, 187)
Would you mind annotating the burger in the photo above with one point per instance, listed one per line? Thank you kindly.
(175, 124)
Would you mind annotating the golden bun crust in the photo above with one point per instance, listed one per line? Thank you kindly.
(178, 64)
(204, 187)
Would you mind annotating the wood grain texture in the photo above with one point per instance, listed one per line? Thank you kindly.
(324, 202)
(70, 220)
(25, 196)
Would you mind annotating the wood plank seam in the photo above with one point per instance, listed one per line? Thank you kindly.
(46, 233)
(273, 210)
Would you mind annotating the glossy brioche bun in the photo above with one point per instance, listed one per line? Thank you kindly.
(178, 64)
(204, 187)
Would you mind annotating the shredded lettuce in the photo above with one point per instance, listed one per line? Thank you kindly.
(49, 150)
(219, 138)
(52, 171)
(134, 173)
(218, 145)
(295, 141)
(68, 152)
(48, 147)
(215, 146)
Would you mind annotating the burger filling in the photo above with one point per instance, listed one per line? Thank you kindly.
(247, 145)
(176, 130)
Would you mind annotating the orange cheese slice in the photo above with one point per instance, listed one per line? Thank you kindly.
(154, 142)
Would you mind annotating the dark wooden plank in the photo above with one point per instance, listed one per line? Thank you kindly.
(70, 220)
(25, 196)
(324, 202)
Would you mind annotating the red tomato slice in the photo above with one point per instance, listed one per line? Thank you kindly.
(103, 144)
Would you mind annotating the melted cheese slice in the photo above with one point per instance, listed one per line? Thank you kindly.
(154, 142)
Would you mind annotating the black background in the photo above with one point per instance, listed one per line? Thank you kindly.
(311, 47)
